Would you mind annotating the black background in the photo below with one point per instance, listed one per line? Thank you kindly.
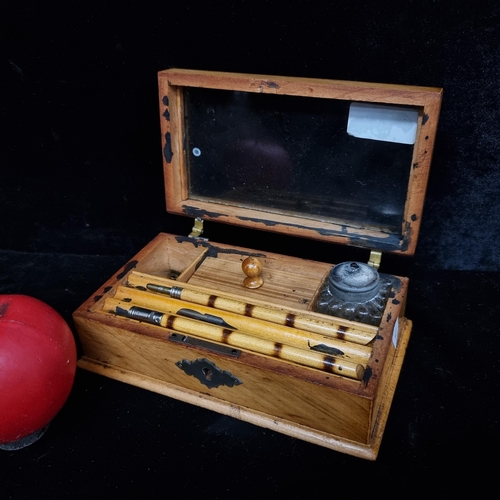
(81, 191)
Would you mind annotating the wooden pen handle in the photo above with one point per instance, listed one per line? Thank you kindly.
(315, 323)
(238, 339)
(263, 329)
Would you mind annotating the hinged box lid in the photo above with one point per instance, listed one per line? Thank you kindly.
(345, 162)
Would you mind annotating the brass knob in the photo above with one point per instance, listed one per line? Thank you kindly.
(252, 267)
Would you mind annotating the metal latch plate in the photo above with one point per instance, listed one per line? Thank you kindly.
(205, 344)
(208, 373)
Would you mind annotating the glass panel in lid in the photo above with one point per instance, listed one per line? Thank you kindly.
(323, 159)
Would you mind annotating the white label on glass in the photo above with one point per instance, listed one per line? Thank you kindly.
(383, 122)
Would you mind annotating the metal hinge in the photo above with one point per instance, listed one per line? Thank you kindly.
(197, 230)
(375, 259)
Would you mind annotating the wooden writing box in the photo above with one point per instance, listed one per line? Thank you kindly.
(344, 162)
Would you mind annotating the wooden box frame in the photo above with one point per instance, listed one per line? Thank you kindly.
(320, 407)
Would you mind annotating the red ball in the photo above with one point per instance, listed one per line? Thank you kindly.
(37, 365)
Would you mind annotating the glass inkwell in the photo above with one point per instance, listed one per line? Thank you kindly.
(354, 291)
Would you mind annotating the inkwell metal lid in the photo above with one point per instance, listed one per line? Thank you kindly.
(353, 282)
